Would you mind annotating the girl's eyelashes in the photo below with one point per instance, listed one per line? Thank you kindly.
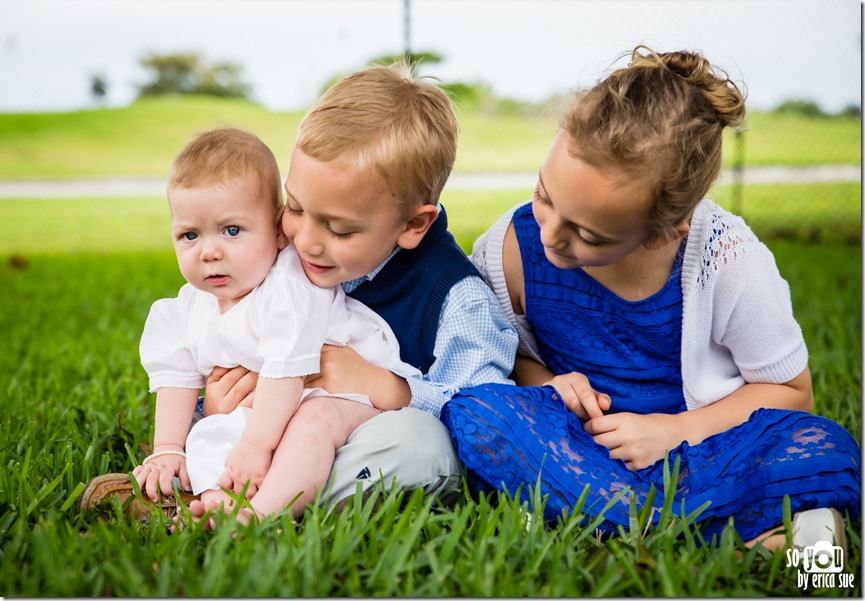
(291, 211)
(537, 197)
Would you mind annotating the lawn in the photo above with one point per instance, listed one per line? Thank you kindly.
(75, 405)
(141, 139)
(78, 276)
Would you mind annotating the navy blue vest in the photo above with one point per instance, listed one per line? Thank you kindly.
(411, 288)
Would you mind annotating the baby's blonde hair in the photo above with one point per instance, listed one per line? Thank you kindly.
(215, 156)
(384, 118)
(660, 121)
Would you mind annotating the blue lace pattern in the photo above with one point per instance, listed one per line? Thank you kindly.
(509, 436)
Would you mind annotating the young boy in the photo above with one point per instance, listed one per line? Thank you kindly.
(369, 163)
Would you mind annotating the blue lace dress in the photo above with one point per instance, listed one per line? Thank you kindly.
(510, 437)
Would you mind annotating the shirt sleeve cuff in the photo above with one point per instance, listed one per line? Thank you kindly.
(428, 396)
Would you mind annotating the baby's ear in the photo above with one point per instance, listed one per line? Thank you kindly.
(281, 238)
(417, 225)
(661, 240)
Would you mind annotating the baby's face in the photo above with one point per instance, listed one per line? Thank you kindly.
(225, 237)
(343, 222)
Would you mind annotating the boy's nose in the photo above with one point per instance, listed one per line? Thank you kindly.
(306, 242)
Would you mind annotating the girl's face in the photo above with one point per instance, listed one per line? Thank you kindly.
(589, 217)
(225, 237)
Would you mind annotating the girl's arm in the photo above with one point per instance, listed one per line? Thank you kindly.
(276, 400)
(699, 424)
(174, 409)
(641, 440)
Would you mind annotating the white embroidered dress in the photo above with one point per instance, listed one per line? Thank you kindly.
(277, 330)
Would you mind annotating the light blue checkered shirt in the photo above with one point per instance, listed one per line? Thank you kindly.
(475, 343)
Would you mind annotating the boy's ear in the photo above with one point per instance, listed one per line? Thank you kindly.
(281, 238)
(416, 226)
(661, 240)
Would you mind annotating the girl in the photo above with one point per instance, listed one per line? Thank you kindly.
(248, 303)
(651, 321)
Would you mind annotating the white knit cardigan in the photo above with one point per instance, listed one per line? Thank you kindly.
(737, 318)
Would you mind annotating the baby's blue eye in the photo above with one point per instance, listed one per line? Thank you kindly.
(232, 230)
(190, 236)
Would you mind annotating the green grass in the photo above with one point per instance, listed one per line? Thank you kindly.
(75, 405)
(141, 139)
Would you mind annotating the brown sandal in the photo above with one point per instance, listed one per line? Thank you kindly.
(100, 489)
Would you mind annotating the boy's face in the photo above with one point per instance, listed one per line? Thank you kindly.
(343, 222)
(225, 237)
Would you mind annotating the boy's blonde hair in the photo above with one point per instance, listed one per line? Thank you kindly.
(383, 118)
(215, 156)
(660, 120)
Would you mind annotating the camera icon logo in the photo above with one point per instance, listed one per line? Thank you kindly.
(823, 558)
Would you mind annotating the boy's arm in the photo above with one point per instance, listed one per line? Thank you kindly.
(475, 344)
(343, 369)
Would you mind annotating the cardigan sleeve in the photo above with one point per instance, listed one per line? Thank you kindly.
(737, 318)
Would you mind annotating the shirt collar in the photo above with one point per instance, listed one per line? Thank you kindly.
(352, 285)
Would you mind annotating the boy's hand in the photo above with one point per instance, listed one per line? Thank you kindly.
(638, 440)
(247, 462)
(344, 370)
(159, 473)
(579, 396)
(228, 389)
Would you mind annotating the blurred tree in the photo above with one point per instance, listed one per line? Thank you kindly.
(415, 58)
(98, 88)
(186, 73)
(807, 108)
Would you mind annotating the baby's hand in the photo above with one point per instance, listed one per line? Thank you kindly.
(158, 473)
(579, 396)
(247, 462)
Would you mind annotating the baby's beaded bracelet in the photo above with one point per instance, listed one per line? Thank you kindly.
(161, 454)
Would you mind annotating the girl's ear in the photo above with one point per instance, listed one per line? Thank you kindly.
(281, 238)
(661, 240)
(416, 226)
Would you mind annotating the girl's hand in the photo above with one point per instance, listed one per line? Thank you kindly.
(247, 462)
(579, 396)
(158, 474)
(638, 440)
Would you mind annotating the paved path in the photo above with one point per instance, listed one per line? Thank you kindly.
(129, 187)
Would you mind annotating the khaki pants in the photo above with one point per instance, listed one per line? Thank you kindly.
(408, 447)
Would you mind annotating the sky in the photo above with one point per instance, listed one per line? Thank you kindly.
(524, 49)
